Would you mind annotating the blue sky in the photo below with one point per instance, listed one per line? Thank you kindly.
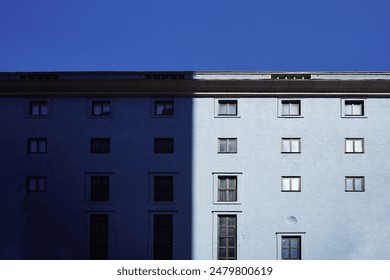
(154, 35)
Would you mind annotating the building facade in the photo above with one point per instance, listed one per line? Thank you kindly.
(195, 165)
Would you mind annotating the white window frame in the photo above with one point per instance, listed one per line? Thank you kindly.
(354, 142)
(289, 141)
(344, 111)
(290, 179)
(216, 176)
(290, 101)
(280, 235)
(353, 179)
(217, 102)
(228, 139)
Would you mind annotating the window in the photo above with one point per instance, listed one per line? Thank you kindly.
(101, 107)
(227, 108)
(354, 145)
(227, 188)
(227, 145)
(354, 184)
(99, 188)
(37, 145)
(163, 108)
(291, 107)
(162, 237)
(100, 145)
(291, 145)
(163, 188)
(291, 247)
(163, 145)
(36, 184)
(98, 236)
(227, 237)
(353, 108)
(291, 184)
(38, 108)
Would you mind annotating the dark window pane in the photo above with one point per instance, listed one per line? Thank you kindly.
(163, 188)
(98, 247)
(100, 145)
(163, 145)
(163, 237)
(100, 188)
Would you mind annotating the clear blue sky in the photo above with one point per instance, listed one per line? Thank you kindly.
(143, 35)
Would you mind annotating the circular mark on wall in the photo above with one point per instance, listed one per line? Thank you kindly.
(291, 220)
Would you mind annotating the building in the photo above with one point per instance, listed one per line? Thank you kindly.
(195, 165)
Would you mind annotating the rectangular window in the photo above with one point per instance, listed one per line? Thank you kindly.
(163, 145)
(354, 145)
(291, 184)
(227, 145)
(162, 237)
(227, 237)
(100, 145)
(99, 188)
(38, 108)
(98, 237)
(163, 188)
(291, 145)
(291, 247)
(353, 107)
(227, 188)
(36, 184)
(291, 108)
(101, 107)
(227, 108)
(37, 145)
(163, 108)
(354, 184)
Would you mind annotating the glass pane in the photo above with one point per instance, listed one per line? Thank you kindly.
(349, 184)
(97, 110)
(222, 221)
(232, 220)
(232, 252)
(233, 196)
(285, 184)
(44, 109)
(223, 145)
(42, 146)
(223, 109)
(294, 146)
(294, 109)
(106, 109)
(358, 109)
(222, 253)
(232, 145)
(33, 146)
(348, 109)
(159, 108)
(232, 108)
(349, 146)
(295, 184)
(34, 109)
(231, 232)
(222, 241)
(41, 184)
(222, 231)
(222, 183)
(32, 185)
(232, 183)
(231, 242)
(285, 243)
(285, 109)
(294, 254)
(358, 184)
(285, 254)
(294, 242)
(222, 195)
(358, 146)
(285, 146)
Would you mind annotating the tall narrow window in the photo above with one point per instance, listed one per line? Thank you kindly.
(163, 188)
(291, 145)
(291, 184)
(100, 188)
(227, 107)
(36, 184)
(227, 237)
(164, 108)
(163, 237)
(227, 188)
(98, 237)
(291, 108)
(354, 108)
(163, 145)
(354, 184)
(100, 145)
(38, 108)
(354, 145)
(101, 108)
(227, 145)
(37, 145)
(291, 247)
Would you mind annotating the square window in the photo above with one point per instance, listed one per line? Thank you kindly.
(101, 108)
(291, 108)
(99, 188)
(291, 184)
(354, 145)
(291, 145)
(37, 145)
(163, 108)
(227, 188)
(38, 108)
(354, 184)
(227, 108)
(354, 108)
(36, 184)
(163, 188)
(163, 145)
(100, 145)
(227, 145)
(291, 247)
